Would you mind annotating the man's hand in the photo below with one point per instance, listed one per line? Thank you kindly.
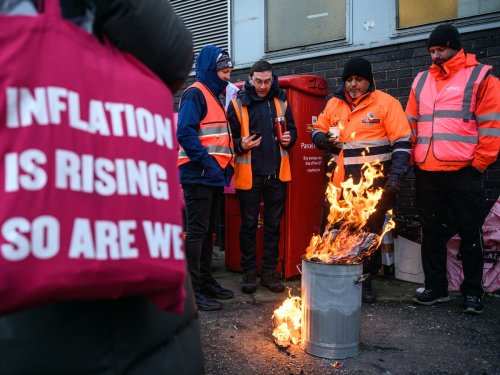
(391, 188)
(250, 142)
(285, 139)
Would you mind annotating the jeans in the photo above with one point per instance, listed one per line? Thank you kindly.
(273, 193)
(202, 204)
(445, 200)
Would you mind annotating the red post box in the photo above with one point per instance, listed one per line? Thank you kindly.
(304, 203)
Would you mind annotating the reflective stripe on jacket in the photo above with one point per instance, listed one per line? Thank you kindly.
(243, 162)
(446, 118)
(376, 129)
(486, 114)
(214, 133)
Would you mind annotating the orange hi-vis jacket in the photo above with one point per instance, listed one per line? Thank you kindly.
(243, 163)
(454, 112)
(214, 133)
(376, 129)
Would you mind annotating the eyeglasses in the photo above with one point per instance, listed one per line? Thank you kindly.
(259, 82)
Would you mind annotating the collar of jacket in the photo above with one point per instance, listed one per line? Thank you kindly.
(249, 95)
(340, 94)
(452, 66)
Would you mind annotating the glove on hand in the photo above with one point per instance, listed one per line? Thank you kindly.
(391, 188)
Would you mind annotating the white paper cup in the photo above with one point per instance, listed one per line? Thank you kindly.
(334, 131)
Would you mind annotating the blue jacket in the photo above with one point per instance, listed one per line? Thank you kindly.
(202, 168)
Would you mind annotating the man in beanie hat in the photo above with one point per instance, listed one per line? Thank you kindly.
(373, 127)
(453, 110)
(206, 166)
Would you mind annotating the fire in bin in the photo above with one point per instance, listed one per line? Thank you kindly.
(343, 242)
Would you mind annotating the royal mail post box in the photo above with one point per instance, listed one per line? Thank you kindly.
(304, 203)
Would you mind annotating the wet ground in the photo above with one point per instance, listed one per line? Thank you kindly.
(397, 337)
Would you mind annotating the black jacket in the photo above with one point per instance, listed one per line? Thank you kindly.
(262, 112)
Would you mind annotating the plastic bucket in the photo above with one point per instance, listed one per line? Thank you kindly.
(331, 309)
(408, 261)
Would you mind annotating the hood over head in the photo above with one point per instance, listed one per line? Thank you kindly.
(206, 69)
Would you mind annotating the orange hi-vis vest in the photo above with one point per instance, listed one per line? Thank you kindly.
(446, 118)
(243, 163)
(214, 133)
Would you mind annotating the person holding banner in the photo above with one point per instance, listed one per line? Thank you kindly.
(205, 165)
(92, 265)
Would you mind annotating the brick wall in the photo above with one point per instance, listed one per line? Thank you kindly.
(394, 68)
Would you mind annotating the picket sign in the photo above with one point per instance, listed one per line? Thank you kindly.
(88, 179)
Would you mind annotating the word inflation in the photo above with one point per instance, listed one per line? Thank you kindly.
(57, 105)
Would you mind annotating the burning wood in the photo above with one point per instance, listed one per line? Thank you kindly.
(287, 322)
(344, 240)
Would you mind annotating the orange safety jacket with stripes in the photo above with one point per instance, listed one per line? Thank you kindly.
(243, 162)
(214, 133)
(452, 126)
(375, 130)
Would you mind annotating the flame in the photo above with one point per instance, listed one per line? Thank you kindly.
(287, 322)
(349, 215)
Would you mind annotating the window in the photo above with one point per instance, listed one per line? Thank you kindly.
(298, 23)
(207, 20)
(415, 13)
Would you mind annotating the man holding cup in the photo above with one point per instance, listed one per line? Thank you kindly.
(362, 124)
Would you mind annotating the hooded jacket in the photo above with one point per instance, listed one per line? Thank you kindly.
(202, 168)
(375, 130)
(486, 113)
(266, 158)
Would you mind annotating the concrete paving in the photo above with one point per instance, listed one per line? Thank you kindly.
(396, 336)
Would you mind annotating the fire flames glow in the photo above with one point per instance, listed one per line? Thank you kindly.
(344, 240)
(287, 322)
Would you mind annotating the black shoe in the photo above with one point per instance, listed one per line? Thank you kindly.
(249, 282)
(430, 297)
(271, 282)
(212, 288)
(367, 294)
(472, 305)
(206, 303)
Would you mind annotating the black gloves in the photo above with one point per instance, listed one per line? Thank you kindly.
(391, 188)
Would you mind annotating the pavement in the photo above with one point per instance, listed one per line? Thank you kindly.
(397, 337)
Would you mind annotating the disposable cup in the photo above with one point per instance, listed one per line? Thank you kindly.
(334, 131)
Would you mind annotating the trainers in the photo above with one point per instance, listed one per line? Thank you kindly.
(472, 305)
(430, 297)
(271, 282)
(249, 282)
(213, 289)
(206, 303)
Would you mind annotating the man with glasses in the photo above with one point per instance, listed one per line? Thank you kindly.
(263, 132)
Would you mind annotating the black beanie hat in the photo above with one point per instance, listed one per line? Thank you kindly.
(445, 35)
(358, 66)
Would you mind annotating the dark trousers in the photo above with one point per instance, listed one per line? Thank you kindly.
(202, 204)
(446, 200)
(273, 193)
